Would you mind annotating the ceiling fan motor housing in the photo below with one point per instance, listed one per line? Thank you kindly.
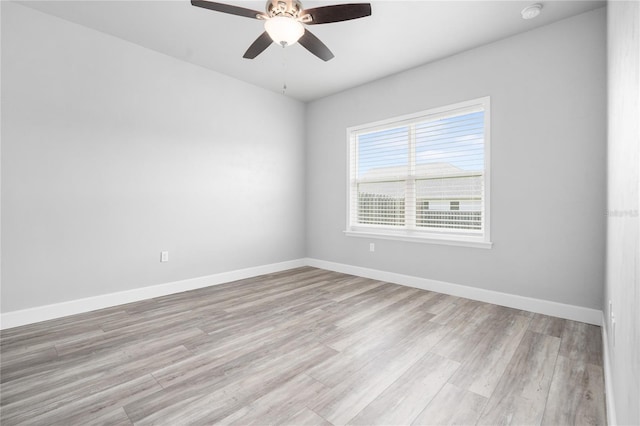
(285, 8)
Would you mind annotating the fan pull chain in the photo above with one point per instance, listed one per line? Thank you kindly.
(284, 71)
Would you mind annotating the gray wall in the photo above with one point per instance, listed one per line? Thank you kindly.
(548, 100)
(623, 225)
(112, 153)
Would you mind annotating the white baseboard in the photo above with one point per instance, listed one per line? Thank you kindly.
(560, 310)
(57, 310)
(608, 378)
(63, 309)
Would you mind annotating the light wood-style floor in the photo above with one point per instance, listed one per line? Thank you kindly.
(303, 347)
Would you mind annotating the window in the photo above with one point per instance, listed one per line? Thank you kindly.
(422, 177)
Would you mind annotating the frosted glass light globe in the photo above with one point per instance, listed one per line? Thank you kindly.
(284, 30)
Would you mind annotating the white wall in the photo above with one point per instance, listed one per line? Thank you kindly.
(623, 224)
(548, 100)
(112, 153)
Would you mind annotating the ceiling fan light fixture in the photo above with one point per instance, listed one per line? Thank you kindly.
(284, 23)
(284, 30)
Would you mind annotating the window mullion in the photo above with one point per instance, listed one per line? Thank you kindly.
(410, 194)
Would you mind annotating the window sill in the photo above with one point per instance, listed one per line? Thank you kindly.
(426, 239)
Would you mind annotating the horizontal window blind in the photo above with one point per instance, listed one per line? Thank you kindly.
(426, 173)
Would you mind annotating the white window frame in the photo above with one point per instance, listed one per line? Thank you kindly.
(409, 232)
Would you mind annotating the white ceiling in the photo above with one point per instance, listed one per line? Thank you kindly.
(399, 35)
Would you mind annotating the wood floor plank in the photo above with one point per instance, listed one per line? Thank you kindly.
(33, 342)
(87, 407)
(74, 324)
(545, 324)
(375, 340)
(18, 365)
(232, 355)
(170, 327)
(298, 347)
(215, 400)
(581, 342)
(391, 317)
(278, 405)
(521, 394)
(452, 406)
(339, 280)
(344, 401)
(361, 286)
(441, 304)
(272, 314)
(401, 402)
(469, 331)
(456, 313)
(89, 376)
(115, 417)
(575, 396)
(254, 336)
(368, 308)
(306, 417)
(345, 284)
(333, 370)
(489, 359)
(277, 296)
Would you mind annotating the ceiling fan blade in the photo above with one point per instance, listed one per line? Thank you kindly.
(227, 8)
(315, 46)
(258, 46)
(337, 13)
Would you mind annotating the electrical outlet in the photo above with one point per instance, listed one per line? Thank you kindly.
(164, 256)
(372, 247)
(610, 309)
(613, 330)
(612, 323)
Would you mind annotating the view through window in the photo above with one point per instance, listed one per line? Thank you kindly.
(422, 176)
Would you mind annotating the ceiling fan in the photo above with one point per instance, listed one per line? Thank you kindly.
(284, 21)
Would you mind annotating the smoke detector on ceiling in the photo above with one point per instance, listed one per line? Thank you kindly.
(532, 11)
